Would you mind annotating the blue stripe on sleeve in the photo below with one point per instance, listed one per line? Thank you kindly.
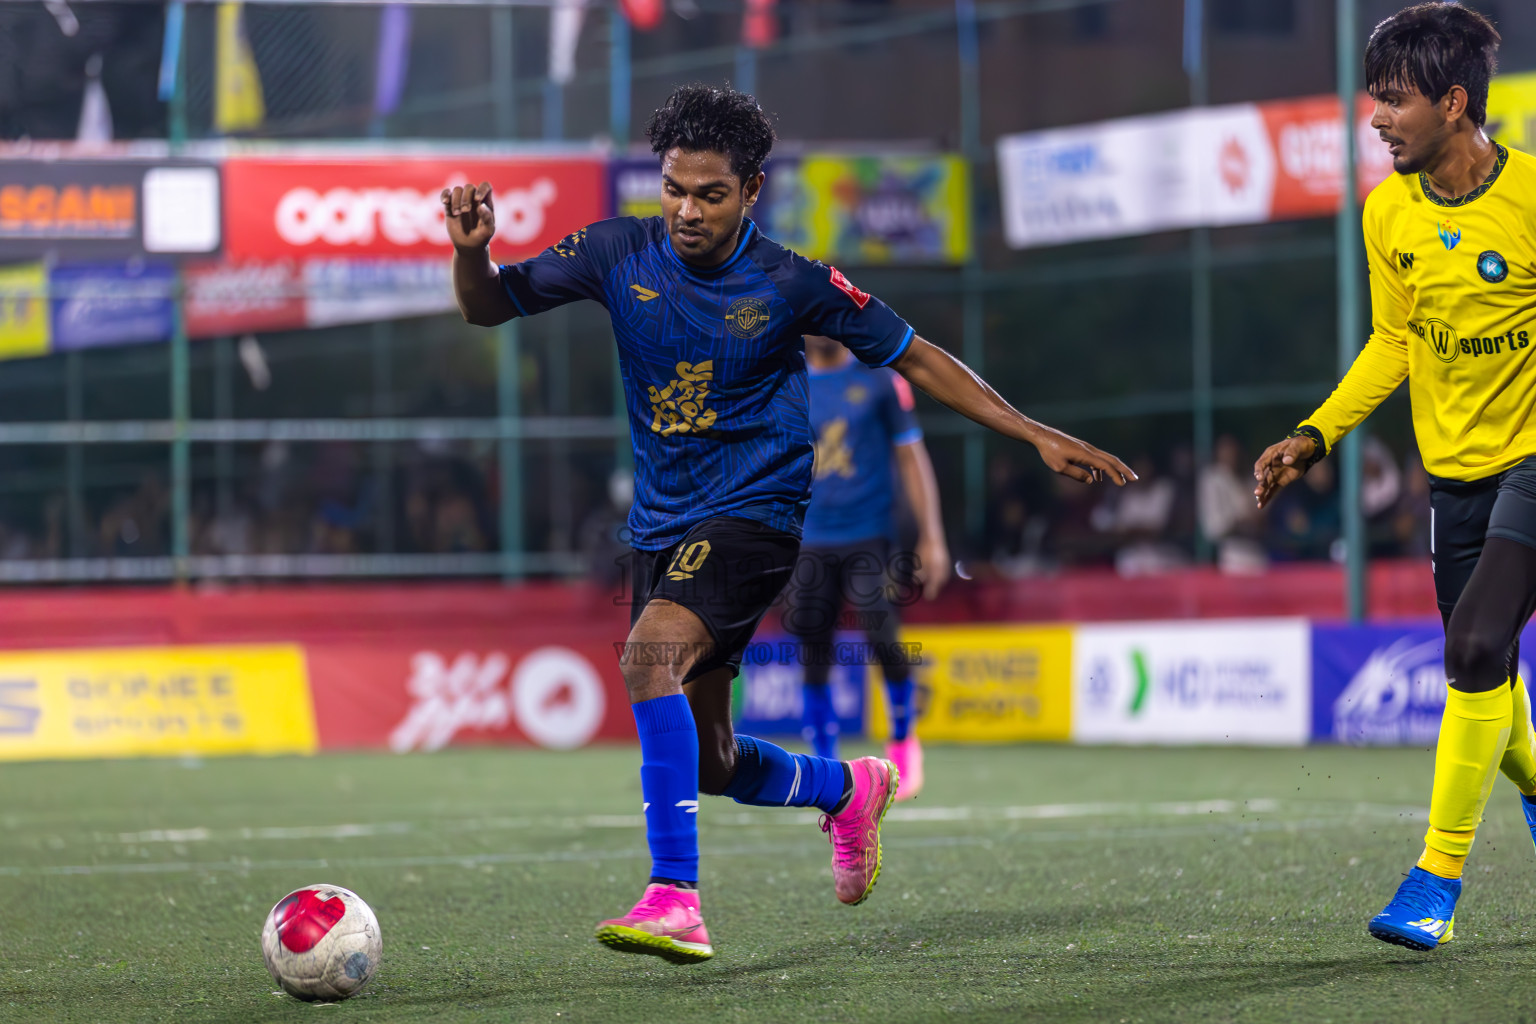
(908, 437)
(906, 341)
(501, 272)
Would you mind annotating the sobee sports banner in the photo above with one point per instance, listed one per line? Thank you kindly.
(1512, 110)
(874, 210)
(1219, 682)
(986, 684)
(164, 701)
(1246, 163)
(298, 207)
(1383, 684)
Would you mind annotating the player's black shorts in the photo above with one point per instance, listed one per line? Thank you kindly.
(1465, 514)
(727, 571)
(854, 586)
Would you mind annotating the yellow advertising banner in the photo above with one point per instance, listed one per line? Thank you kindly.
(871, 210)
(1512, 111)
(23, 311)
(986, 684)
(155, 701)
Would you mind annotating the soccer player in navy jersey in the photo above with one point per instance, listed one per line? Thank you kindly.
(709, 315)
(867, 437)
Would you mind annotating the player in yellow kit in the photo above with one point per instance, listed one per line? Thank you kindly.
(1451, 246)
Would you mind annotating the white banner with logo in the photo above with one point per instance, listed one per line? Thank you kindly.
(1246, 681)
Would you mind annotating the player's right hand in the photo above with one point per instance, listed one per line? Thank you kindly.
(1080, 460)
(469, 214)
(1281, 464)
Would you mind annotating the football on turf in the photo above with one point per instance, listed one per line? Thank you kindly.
(321, 942)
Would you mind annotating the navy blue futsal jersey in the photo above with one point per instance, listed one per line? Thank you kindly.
(713, 363)
(859, 415)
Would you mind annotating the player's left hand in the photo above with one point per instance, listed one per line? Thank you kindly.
(933, 567)
(1080, 460)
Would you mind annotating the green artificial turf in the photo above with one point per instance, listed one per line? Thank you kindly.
(1027, 883)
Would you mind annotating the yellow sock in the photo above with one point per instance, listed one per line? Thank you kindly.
(1519, 764)
(1474, 734)
(1445, 865)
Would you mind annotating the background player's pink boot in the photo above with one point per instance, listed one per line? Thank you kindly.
(855, 831)
(667, 922)
(907, 756)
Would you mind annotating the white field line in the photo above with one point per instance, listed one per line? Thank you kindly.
(750, 819)
(243, 865)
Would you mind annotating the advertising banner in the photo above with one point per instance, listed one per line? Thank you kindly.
(986, 684)
(1245, 163)
(406, 697)
(156, 701)
(635, 187)
(25, 320)
(769, 697)
(1218, 682)
(1512, 110)
(875, 210)
(111, 304)
(296, 207)
(358, 291)
(1382, 684)
(107, 209)
(239, 298)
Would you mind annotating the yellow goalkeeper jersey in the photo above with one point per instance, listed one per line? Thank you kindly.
(1453, 309)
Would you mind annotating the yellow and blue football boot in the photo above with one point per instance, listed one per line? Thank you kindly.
(1422, 915)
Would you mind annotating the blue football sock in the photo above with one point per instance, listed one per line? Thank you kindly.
(770, 776)
(820, 720)
(900, 694)
(669, 784)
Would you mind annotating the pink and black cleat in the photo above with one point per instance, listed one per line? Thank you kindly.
(907, 756)
(855, 831)
(666, 922)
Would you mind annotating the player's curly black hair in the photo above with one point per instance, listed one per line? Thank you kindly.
(1432, 47)
(701, 118)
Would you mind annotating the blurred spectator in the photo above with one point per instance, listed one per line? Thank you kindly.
(1411, 519)
(1381, 489)
(603, 535)
(1304, 520)
(1139, 519)
(1229, 516)
(134, 525)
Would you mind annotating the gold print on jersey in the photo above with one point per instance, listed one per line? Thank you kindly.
(832, 452)
(679, 407)
(566, 247)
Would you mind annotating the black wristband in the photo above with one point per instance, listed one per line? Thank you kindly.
(1319, 449)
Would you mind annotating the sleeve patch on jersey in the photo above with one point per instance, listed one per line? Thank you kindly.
(847, 287)
(903, 392)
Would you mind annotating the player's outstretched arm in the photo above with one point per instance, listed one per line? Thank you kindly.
(948, 380)
(1282, 464)
(470, 218)
(922, 487)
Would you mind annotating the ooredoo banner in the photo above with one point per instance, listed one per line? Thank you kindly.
(1218, 682)
(410, 697)
(296, 207)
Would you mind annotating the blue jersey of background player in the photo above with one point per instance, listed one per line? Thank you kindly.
(709, 316)
(867, 436)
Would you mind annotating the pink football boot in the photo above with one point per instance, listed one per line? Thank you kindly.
(907, 756)
(666, 922)
(855, 831)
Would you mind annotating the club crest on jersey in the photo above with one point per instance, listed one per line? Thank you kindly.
(1450, 234)
(1491, 267)
(747, 317)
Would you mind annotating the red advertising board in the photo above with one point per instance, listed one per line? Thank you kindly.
(223, 298)
(298, 208)
(428, 695)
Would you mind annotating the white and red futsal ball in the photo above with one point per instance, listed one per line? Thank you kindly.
(321, 942)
